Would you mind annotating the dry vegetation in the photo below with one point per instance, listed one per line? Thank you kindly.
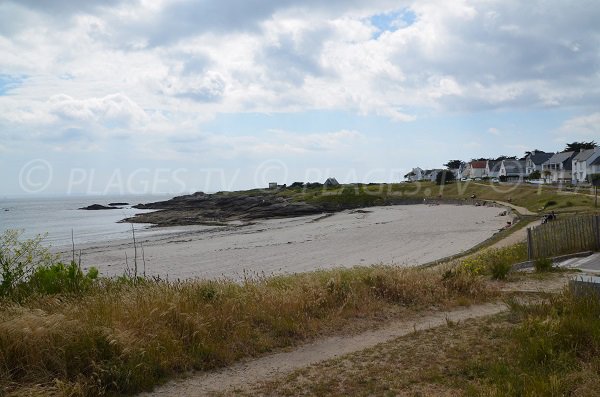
(97, 336)
(545, 349)
(123, 336)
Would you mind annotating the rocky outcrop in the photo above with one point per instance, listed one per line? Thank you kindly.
(95, 207)
(117, 204)
(201, 208)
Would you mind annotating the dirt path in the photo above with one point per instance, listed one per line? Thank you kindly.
(252, 371)
(516, 237)
(521, 210)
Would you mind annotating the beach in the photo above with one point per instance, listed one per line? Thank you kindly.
(402, 235)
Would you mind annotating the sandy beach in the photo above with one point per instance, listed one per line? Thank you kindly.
(404, 235)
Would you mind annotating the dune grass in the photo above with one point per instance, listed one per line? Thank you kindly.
(550, 348)
(554, 351)
(122, 337)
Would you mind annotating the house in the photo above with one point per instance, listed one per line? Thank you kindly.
(534, 161)
(492, 168)
(415, 175)
(431, 175)
(331, 182)
(475, 169)
(581, 163)
(272, 185)
(594, 167)
(458, 172)
(512, 170)
(557, 169)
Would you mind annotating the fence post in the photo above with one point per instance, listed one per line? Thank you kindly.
(597, 231)
(529, 244)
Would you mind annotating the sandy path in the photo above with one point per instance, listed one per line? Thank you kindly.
(521, 210)
(405, 235)
(249, 372)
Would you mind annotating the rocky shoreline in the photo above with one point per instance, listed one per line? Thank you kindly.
(246, 206)
(202, 209)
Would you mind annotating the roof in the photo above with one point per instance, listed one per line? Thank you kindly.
(331, 182)
(515, 167)
(585, 154)
(559, 158)
(540, 157)
(477, 164)
(494, 165)
(596, 162)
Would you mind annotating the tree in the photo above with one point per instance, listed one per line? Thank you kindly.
(444, 177)
(454, 164)
(535, 175)
(579, 146)
(533, 152)
(503, 157)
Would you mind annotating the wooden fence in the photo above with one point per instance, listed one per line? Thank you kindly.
(564, 236)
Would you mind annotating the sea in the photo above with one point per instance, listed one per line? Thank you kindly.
(59, 218)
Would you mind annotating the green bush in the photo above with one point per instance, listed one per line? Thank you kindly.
(500, 269)
(496, 262)
(61, 278)
(20, 259)
(550, 203)
(28, 267)
(543, 265)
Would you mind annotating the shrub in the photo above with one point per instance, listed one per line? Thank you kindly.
(20, 259)
(496, 262)
(500, 269)
(550, 203)
(445, 176)
(61, 278)
(543, 265)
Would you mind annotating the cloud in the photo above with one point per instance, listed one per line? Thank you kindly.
(163, 67)
(115, 110)
(582, 127)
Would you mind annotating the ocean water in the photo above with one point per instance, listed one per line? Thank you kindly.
(55, 217)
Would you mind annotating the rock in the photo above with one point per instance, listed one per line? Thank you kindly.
(117, 204)
(95, 207)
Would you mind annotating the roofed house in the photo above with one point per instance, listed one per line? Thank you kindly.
(594, 167)
(476, 169)
(330, 182)
(557, 169)
(534, 161)
(581, 163)
(431, 175)
(415, 175)
(492, 168)
(512, 170)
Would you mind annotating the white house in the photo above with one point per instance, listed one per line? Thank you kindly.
(432, 174)
(558, 167)
(416, 174)
(534, 161)
(492, 168)
(475, 169)
(581, 164)
(594, 166)
(512, 169)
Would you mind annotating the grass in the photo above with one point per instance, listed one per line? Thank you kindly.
(534, 198)
(545, 349)
(121, 338)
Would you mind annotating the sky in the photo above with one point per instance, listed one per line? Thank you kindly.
(157, 96)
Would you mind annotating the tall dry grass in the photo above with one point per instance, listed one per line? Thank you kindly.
(121, 338)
